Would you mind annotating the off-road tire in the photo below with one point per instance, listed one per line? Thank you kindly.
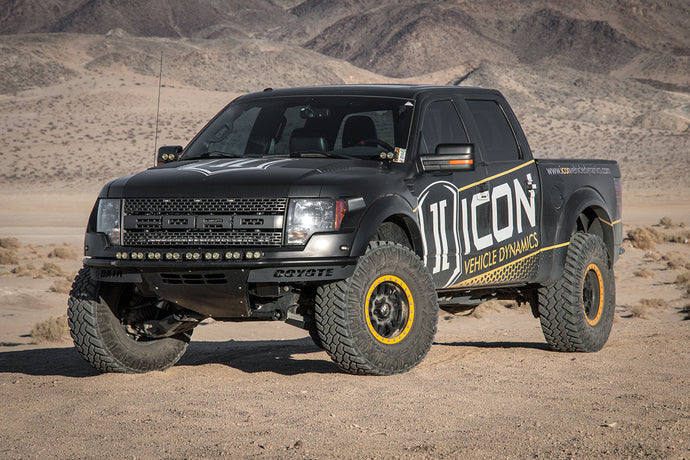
(314, 334)
(102, 340)
(351, 315)
(576, 313)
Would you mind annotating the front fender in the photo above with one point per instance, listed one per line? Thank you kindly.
(387, 208)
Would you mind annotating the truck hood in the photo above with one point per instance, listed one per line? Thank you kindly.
(270, 177)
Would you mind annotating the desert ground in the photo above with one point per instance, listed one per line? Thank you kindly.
(78, 109)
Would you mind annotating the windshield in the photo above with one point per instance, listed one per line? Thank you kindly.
(327, 126)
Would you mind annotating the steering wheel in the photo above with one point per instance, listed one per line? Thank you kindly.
(377, 142)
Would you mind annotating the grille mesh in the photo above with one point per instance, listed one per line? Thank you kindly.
(157, 206)
(150, 212)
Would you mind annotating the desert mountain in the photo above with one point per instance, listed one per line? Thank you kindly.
(590, 78)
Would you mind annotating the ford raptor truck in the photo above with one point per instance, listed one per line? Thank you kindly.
(354, 212)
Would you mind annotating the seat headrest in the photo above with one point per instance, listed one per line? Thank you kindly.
(358, 128)
(303, 140)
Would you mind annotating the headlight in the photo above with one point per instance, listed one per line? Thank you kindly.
(308, 216)
(108, 220)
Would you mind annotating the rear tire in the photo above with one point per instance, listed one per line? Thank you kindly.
(576, 313)
(382, 320)
(101, 337)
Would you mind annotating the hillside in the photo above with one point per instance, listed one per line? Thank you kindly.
(588, 78)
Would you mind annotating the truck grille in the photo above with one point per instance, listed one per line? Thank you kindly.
(203, 222)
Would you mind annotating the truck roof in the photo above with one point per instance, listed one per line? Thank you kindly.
(383, 90)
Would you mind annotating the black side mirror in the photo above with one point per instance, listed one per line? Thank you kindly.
(450, 157)
(168, 153)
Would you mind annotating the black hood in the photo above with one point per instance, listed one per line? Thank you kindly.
(270, 177)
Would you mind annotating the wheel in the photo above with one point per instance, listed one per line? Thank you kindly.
(382, 320)
(576, 313)
(100, 320)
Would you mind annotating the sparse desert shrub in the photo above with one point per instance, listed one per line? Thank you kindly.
(8, 257)
(62, 252)
(680, 237)
(642, 309)
(53, 269)
(639, 311)
(683, 278)
(54, 329)
(666, 222)
(644, 273)
(26, 270)
(641, 238)
(654, 303)
(674, 261)
(61, 286)
(10, 243)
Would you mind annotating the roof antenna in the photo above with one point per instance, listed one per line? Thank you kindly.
(158, 110)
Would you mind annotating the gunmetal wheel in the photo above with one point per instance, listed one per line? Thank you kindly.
(576, 313)
(382, 320)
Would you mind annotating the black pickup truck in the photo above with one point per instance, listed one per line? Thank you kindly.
(354, 212)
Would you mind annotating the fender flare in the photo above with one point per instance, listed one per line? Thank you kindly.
(582, 200)
(387, 208)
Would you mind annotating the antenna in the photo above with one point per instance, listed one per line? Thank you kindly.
(158, 110)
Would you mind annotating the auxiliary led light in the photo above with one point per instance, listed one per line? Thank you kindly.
(249, 255)
(236, 255)
(124, 255)
(176, 256)
(168, 256)
(118, 255)
(151, 256)
(188, 256)
(257, 254)
(196, 256)
(216, 255)
(208, 256)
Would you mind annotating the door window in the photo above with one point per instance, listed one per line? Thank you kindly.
(499, 141)
(442, 125)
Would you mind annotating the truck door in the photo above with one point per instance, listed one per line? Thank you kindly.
(440, 209)
(507, 247)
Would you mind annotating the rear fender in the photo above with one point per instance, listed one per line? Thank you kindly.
(585, 201)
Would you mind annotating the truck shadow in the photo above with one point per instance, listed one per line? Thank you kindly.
(285, 357)
(501, 344)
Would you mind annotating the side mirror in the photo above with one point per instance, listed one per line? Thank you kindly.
(168, 153)
(450, 157)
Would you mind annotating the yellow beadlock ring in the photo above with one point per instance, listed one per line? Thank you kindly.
(600, 308)
(410, 302)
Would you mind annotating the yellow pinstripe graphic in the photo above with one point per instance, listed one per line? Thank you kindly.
(495, 176)
(610, 224)
(523, 263)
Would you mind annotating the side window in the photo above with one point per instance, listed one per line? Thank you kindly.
(441, 125)
(499, 141)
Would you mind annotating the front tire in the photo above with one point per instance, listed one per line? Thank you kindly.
(382, 320)
(576, 313)
(95, 319)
